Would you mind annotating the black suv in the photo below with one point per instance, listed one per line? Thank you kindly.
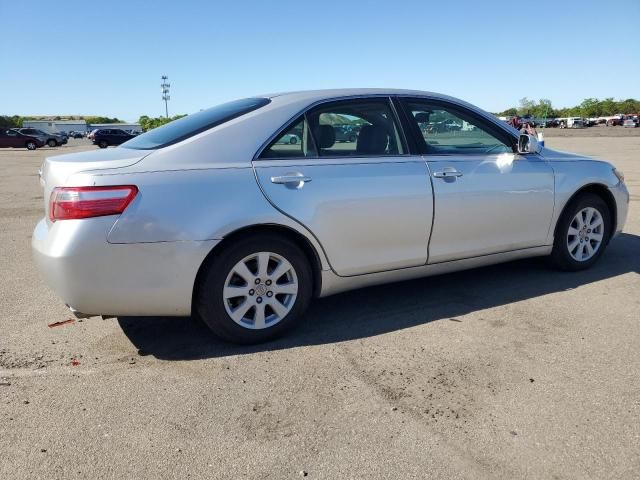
(110, 136)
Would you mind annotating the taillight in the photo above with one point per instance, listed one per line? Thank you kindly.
(67, 203)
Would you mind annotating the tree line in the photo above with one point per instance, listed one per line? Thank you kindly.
(147, 123)
(17, 121)
(590, 107)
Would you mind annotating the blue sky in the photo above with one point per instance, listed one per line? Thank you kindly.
(106, 58)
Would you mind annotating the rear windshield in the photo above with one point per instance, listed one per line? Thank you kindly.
(193, 124)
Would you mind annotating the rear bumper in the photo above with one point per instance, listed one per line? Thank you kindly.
(95, 277)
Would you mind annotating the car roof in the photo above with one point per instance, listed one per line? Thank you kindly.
(326, 94)
(310, 97)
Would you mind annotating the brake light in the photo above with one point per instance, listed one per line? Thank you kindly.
(67, 203)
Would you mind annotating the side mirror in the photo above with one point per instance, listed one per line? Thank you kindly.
(528, 144)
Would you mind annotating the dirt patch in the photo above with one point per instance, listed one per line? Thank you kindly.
(20, 212)
(11, 360)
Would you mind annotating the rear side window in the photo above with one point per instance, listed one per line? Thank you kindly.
(193, 124)
(362, 128)
(295, 142)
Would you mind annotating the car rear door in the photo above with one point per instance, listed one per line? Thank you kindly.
(368, 202)
(487, 198)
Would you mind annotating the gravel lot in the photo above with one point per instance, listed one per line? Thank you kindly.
(514, 371)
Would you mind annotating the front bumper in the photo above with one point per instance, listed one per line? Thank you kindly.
(621, 196)
(95, 277)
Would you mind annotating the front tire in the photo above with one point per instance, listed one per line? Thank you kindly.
(582, 233)
(103, 144)
(31, 145)
(254, 289)
(52, 143)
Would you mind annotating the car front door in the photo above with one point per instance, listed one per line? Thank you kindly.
(14, 139)
(488, 199)
(367, 201)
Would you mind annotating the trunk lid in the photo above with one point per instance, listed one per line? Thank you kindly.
(55, 171)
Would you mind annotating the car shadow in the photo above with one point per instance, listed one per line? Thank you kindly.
(377, 310)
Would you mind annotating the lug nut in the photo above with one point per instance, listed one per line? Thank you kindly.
(268, 282)
(251, 292)
(259, 299)
(269, 293)
(257, 281)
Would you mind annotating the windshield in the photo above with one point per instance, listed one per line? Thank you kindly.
(193, 124)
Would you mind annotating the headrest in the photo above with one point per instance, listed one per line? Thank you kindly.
(372, 140)
(422, 117)
(326, 136)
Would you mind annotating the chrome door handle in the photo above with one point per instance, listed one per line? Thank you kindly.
(447, 173)
(291, 178)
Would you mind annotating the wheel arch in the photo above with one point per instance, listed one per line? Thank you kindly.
(603, 192)
(274, 229)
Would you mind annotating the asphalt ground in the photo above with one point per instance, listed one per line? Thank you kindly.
(511, 371)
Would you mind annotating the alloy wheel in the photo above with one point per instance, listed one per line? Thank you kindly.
(585, 234)
(260, 290)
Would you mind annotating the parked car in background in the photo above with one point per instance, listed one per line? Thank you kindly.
(214, 214)
(14, 139)
(630, 122)
(51, 139)
(615, 121)
(289, 138)
(76, 134)
(105, 137)
(571, 122)
(345, 133)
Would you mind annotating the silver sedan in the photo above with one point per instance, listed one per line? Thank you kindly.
(220, 215)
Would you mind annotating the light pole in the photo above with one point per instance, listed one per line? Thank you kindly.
(165, 93)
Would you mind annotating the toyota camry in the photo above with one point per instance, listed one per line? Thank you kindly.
(221, 215)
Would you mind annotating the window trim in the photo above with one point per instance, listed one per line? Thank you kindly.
(388, 99)
(421, 144)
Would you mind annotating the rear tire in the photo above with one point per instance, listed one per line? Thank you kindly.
(582, 233)
(52, 143)
(265, 282)
(103, 144)
(31, 145)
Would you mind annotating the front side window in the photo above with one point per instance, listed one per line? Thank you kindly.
(194, 124)
(450, 130)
